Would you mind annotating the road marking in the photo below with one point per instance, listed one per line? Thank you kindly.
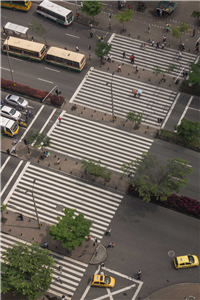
(109, 294)
(13, 174)
(55, 123)
(45, 80)
(4, 17)
(193, 108)
(89, 285)
(115, 293)
(15, 58)
(41, 108)
(77, 37)
(170, 111)
(5, 163)
(185, 110)
(52, 70)
(7, 69)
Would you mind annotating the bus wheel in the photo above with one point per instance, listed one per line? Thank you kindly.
(14, 8)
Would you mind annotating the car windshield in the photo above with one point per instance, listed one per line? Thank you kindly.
(191, 259)
(13, 111)
(107, 279)
(20, 100)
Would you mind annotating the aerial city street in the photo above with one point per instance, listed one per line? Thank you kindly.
(100, 142)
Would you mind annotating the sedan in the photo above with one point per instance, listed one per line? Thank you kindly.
(186, 261)
(10, 113)
(102, 281)
(16, 101)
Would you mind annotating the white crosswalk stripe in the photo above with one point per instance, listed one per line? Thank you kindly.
(72, 270)
(82, 138)
(155, 102)
(53, 190)
(151, 57)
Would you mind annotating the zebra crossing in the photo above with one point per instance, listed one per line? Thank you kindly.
(94, 92)
(55, 190)
(81, 138)
(150, 57)
(72, 270)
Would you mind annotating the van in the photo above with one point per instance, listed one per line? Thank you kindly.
(9, 127)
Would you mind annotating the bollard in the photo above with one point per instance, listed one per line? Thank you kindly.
(129, 34)
(149, 79)
(76, 163)
(121, 177)
(91, 115)
(60, 168)
(116, 187)
(108, 68)
(169, 85)
(123, 125)
(105, 114)
(83, 107)
(128, 74)
(38, 161)
(49, 165)
(94, 111)
(55, 155)
(70, 172)
(93, 179)
(81, 176)
(65, 159)
(138, 76)
(81, 112)
(145, 132)
(102, 119)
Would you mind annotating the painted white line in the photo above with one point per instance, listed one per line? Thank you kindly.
(185, 110)
(45, 80)
(77, 37)
(111, 38)
(16, 182)
(15, 58)
(33, 121)
(109, 294)
(5, 163)
(89, 286)
(52, 70)
(11, 178)
(193, 108)
(137, 291)
(170, 111)
(115, 293)
(7, 69)
(47, 121)
(80, 85)
(52, 128)
(4, 17)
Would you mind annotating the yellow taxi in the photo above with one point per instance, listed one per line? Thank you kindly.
(102, 281)
(186, 261)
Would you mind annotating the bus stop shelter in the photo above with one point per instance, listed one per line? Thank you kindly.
(16, 29)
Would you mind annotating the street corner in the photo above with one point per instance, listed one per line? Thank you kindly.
(99, 255)
(124, 286)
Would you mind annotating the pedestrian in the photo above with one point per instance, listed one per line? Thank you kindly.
(144, 46)
(132, 59)
(109, 245)
(99, 38)
(139, 274)
(59, 279)
(149, 29)
(119, 68)
(63, 297)
(58, 161)
(91, 25)
(102, 39)
(81, 4)
(179, 55)
(182, 46)
(77, 50)
(129, 7)
(163, 45)
(152, 43)
(47, 153)
(157, 45)
(109, 58)
(46, 245)
(60, 269)
(136, 69)
(196, 50)
(124, 54)
(113, 245)
(164, 38)
(160, 12)
(32, 39)
(167, 28)
(13, 149)
(89, 237)
(95, 240)
(91, 33)
(194, 32)
(109, 231)
(197, 44)
(27, 119)
(102, 264)
(59, 120)
(15, 141)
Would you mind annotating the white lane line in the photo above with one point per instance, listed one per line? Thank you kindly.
(193, 108)
(115, 293)
(170, 111)
(45, 124)
(33, 121)
(7, 69)
(185, 110)
(89, 286)
(52, 128)
(45, 80)
(4, 17)
(13, 174)
(77, 37)
(111, 38)
(109, 294)
(16, 182)
(52, 70)
(5, 163)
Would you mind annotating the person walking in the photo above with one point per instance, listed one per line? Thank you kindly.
(157, 45)
(144, 46)
(113, 245)
(109, 245)
(77, 49)
(59, 120)
(13, 149)
(182, 46)
(194, 31)
(136, 69)
(81, 4)
(46, 245)
(152, 43)
(149, 29)
(58, 161)
(163, 45)
(60, 269)
(196, 50)
(197, 44)
(15, 141)
(99, 38)
(139, 274)
(47, 153)
(109, 231)
(164, 39)
(119, 68)
(59, 279)
(102, 264)
(124, 54)
(179, 55)
(132, 59)
(27, 119)
(160, 12)
(91, 33)
(91, 25)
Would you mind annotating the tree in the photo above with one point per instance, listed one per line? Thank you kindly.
(71, 230)
(39, 29)
(102, 49)
(194, 75)
(39, 139)
(157, 70)
(125, 16)
(152, 179)
(178, 31)
(94, 168)
(3, 207)
(171, 68)
(189, 131)
(27, 269)
(92, 8)
(135, 118)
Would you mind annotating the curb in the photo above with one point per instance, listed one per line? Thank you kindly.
(103, 249)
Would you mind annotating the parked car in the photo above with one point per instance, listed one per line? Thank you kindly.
(16, 101)
(10, 112)
(186, 261)
(102, 281)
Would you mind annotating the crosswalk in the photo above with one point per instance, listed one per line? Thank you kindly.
(94, 92)
(72, 270)
(54, 190)
(151, 57)
(81, 138)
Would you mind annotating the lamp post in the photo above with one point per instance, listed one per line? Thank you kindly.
(111, 83)
(39, 225)
(10, 62)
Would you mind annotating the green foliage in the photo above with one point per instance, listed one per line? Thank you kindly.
(102, 49)
(171, 68)
(178, 31)
(92, 8)
(183, 27)
(3, 207)
(94, 168)
(188, 130)
(125, 16)
(39, 139)
(152, 179)
(157, 70)
(26, 269)
(128, 169)
(194, 75)
(37, 27)
(71, 230)
(134, 117)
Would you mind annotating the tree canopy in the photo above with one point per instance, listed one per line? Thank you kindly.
(92, 8)
(134, 117)
(125, 16)
(178, 31)
(194, 75)
(189, 131)
(39, 139)
(153, 179)
(95, 168)
(71, 230)
(26, 269)
(37, 27)
(102, 49)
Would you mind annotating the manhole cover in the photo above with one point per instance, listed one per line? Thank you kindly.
(171, 253)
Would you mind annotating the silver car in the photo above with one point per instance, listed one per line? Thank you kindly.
(16, 101)
(10, 112)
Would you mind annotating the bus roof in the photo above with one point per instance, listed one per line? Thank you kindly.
(62, 11)
(62, 53)
(24, 44)
(6, 122)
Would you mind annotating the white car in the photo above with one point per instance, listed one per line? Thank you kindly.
(16, 101)
(10, 113)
